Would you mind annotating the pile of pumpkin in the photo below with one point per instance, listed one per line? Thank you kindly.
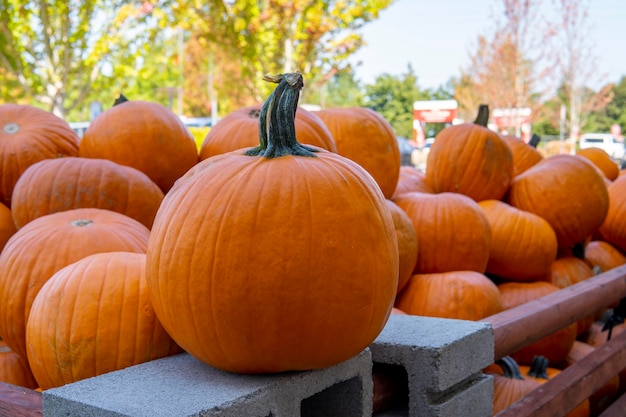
(284, 243)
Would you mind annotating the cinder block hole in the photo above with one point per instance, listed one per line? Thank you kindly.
(344, 399)
(391, 387)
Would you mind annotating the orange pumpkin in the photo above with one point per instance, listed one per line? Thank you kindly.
(7, 225)
(603, 255)
(509, 386)
(27, 135)
(568, 192)
(407, 243)
(366, 137)
(470, 159)
(15, 370)
(524, 155)
(553, 347)
(613, 230)
(523, 245)
(63, 184)
(49, 243)
(240, 129)
(602, 160)
(463, 295)
(96, 298)
(452, 229)
(411, 179)
(143, 135)
(286, 243)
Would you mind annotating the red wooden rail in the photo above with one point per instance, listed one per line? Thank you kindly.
(518, 327)
(19, 402)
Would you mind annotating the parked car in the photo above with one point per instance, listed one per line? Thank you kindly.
(604, 141)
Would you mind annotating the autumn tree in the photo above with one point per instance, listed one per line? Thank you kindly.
(58, 52)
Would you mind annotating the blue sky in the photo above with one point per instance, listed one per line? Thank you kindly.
(436, 37)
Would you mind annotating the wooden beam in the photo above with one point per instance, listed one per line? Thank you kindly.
(520, 326)
(19, 402)
(616, 409)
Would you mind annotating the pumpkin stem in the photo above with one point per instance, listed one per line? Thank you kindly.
(277, 121)
(539, 367)
(510, 369)
(483, 115)
(121, 99)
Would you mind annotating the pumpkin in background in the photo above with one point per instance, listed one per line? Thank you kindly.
(366, 137)
(240, 129)
(603, 255)
(407, 243)
(143, 135)
(509, 385)
(63, 184)
(47, 244)
(553, 347)
(613, 230)
(602, 160)
(286, 241)
(27, 135)
(597, 337)
(470, 159)
(523, 245)
(568, 192)
(14, 369)
(411, 180)
(452, 229)
(463, 295)
(524, 155)
(7, 225)
(94, 316)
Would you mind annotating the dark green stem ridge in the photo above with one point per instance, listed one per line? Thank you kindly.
(277, 120)
(510, 369)
(483, 115)
(121, 99)
(539, 367)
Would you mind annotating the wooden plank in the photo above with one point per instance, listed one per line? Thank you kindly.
(562, 393)
(520, 326)
(616, 409)
(19, 402)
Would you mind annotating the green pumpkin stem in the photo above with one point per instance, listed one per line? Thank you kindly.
(510, 369)
(539, 367)
(121, 99)
(483, 115)
(277, 120)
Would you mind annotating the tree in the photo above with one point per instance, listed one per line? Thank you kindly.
(393, 98)
(339, 90)
(58, 51)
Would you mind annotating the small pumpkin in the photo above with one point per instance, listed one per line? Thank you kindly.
(7, 225)
(603, 255)
(470, 159)
(411, 179)
(15, 370)
(613, 229)
(408, 243)
(524, 155)
(510, 386)
(602, 160)
(286, 240)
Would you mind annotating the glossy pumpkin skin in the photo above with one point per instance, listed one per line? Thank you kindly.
(102, 298)
(27, 135)
(367, 138)
(7, 225)
(509, 385)
(297, 255)
(14, 369)
(523, 245)
(49, 243)
(240, 129)
(602, 160)
(411, 179)
(143, 135)
(463, 295)
(603, 255)
(408, 244)
(568, 192)
(613, 230)
(453, 230)
(553, 347)
(63, 184)
(524, 155)
(472, 160)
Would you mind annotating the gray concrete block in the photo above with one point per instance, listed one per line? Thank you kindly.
(443, 359)
(180, 386)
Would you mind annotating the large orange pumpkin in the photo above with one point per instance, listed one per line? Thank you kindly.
(240, 129)
(102, 298)
(28, 135)
(613, 229)
(509, 385)
(523, 245)
(366, 137)
(408, 243)
(524, 155)
(63, 184)
(463, 295)
(568, 192)
(143, 135)
(7, 225)
(470, 159)
(47, 244)
(602, 160)
(274, 258)
(452, 229)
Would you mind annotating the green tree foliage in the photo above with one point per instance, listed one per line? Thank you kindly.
(614, 112)
(393, 97)
(57, 52)
(341, 90)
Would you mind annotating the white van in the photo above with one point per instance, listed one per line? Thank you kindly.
(604, 141)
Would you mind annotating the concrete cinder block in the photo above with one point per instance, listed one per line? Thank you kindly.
(443, 359)
(181, 386)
